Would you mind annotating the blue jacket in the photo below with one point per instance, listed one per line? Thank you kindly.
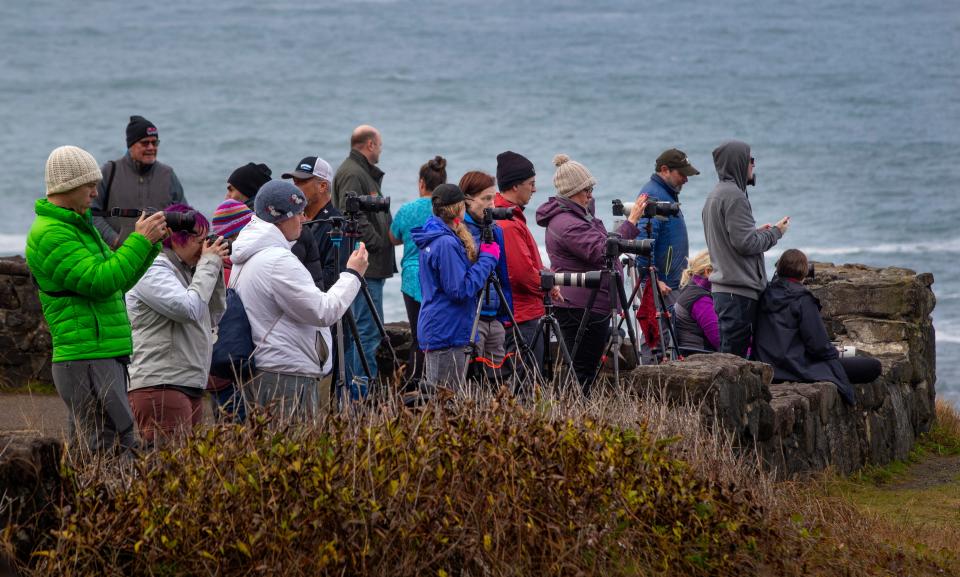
(491, 300)
(449, 284)
(671, 247)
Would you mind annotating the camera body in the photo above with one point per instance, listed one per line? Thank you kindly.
(590, 279)
(356, 203)
(212, 238)
(176, 221)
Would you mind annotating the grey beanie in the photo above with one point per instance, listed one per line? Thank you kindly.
(279, 200)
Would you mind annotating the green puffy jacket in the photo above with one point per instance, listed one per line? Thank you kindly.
(66, 254)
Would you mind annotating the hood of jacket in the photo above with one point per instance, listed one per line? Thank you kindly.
(256, 236)
(732, 160)
(556, 206)
(781, 293)
(431, 230)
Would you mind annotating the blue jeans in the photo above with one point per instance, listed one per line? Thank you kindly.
(736, 316)
(369, 335)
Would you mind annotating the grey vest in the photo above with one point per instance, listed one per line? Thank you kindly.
(130, 189)
(689, 333)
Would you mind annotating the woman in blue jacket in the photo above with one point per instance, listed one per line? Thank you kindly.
(451, 276)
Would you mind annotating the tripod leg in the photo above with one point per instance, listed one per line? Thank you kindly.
(565, 355)
(377, 320)
(626, 310)
(355, 332)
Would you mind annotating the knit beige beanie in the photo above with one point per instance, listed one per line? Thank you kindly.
(69, 167)
(571, 176)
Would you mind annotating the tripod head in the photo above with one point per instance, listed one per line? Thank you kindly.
(342, 226)
(490, 215)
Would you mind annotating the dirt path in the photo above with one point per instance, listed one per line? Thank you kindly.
(33, 415)
(933, 471)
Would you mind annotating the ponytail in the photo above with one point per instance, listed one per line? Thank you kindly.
(447, 214)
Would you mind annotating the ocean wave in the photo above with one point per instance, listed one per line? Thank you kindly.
(944, 337)
(946, 246)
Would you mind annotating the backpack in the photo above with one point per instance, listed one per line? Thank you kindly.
(233, 352)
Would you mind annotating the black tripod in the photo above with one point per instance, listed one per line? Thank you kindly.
(347, 227)
(494, 281)
(668, 341)
(545, 326)
(617, 295)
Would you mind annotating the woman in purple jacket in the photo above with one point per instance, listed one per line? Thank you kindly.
(696, 321)
(576, 242)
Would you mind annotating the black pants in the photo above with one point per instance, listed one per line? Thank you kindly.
(736, 316)
(861, 369)
(415, 360)
(595, 334)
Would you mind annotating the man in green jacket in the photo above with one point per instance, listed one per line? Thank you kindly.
(359, 173)
(81, 283)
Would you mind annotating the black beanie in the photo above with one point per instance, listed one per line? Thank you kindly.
(446, 194)
(512, 168)
(138, 129)
(249, 178)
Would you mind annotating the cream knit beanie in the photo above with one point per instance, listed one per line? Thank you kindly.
(69, 167)
(571, 176)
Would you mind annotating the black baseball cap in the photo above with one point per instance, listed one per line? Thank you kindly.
(304, 169)
(676, 159)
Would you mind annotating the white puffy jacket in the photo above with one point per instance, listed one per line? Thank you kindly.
(284, 306)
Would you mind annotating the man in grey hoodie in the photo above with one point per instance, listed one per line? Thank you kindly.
(736, 246)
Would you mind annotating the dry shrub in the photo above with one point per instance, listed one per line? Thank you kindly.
(471, 488)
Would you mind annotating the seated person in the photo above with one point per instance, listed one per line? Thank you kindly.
(791, 336)
(696, 321)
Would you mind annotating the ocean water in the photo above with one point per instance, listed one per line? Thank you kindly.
(852, 109)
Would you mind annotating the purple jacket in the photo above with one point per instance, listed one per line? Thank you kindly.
(576, 241)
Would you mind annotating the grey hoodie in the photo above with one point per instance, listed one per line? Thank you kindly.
(736, 245)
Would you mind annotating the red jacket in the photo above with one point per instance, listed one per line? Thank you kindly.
(523, 263)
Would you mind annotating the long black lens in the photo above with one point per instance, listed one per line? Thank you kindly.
(181, 221)
(642, 247)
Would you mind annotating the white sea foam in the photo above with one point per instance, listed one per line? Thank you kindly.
(12, 244)
(945, 246)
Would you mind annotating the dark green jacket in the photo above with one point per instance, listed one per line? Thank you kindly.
(356, 174)
(66, 254)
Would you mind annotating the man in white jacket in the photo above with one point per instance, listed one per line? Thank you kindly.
(289, 316)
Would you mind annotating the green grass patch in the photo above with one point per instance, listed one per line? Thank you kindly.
(31, 388)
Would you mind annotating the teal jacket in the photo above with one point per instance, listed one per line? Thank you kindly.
(82, 282)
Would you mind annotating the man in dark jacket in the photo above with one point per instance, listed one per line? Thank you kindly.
(736, 246)
(671, 247)
(138, 180)
(313, 177)
(359, 173)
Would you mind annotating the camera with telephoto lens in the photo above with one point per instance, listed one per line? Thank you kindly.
(617, 246)
(176, 221)
(355, 203)
(653, 208)
(589, 279)
(490, 215)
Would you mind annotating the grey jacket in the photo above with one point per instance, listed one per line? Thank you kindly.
(356, 174)
(736, 245)
(155, 186)
(173, 314)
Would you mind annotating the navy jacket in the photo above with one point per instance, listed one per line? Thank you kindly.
(790, 335)
(491, 300)
(449, 283)
(671, 246)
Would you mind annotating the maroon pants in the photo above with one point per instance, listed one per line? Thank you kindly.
(162, 412)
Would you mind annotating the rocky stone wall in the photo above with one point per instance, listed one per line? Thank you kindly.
(799, 428)
(25, 345)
